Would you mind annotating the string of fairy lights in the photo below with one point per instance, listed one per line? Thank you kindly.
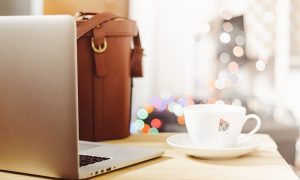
(174, 105)
(165, 102)
(230, 58)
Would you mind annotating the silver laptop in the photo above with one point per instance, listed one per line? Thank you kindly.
(39, 108)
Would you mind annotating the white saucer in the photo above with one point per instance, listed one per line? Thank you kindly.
(184, 143)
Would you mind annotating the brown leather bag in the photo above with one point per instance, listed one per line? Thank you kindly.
(106, 65)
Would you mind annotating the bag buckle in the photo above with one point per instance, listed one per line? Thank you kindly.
(101, 48)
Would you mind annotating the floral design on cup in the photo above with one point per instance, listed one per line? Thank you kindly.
(223, 125)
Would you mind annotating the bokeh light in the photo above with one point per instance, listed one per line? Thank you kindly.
(170, 106)
(139, 124)
(155, 101)
(220, 84)
(146, 128)
(182, 101)
(225, 37)
(224, 58)
(156, 123)
(260, 65)
(238, 51)
(240, 40)
(227, 27)
(149, 108)
(223, 75)
(163, 105)
(142, 113)
(233, 67)
(226, 14)
(133, 128)
(178, 109)
(181, 120)
(153, 131)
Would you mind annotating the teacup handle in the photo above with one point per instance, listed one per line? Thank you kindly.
(247, 136)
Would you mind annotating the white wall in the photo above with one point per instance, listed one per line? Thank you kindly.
(144, 13)
(282, 57)
(168, 29)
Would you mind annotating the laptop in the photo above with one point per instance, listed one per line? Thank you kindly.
(39, 107)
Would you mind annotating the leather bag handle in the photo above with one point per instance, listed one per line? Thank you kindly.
(99, 18)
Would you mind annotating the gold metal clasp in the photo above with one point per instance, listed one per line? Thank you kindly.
(102, 47)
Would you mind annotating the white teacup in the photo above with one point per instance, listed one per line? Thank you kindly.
(217, 126)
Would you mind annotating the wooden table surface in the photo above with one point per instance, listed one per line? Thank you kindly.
(264, 163)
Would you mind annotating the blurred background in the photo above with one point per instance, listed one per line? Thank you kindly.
(198, 51)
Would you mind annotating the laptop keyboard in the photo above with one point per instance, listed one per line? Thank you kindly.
(86, 160)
